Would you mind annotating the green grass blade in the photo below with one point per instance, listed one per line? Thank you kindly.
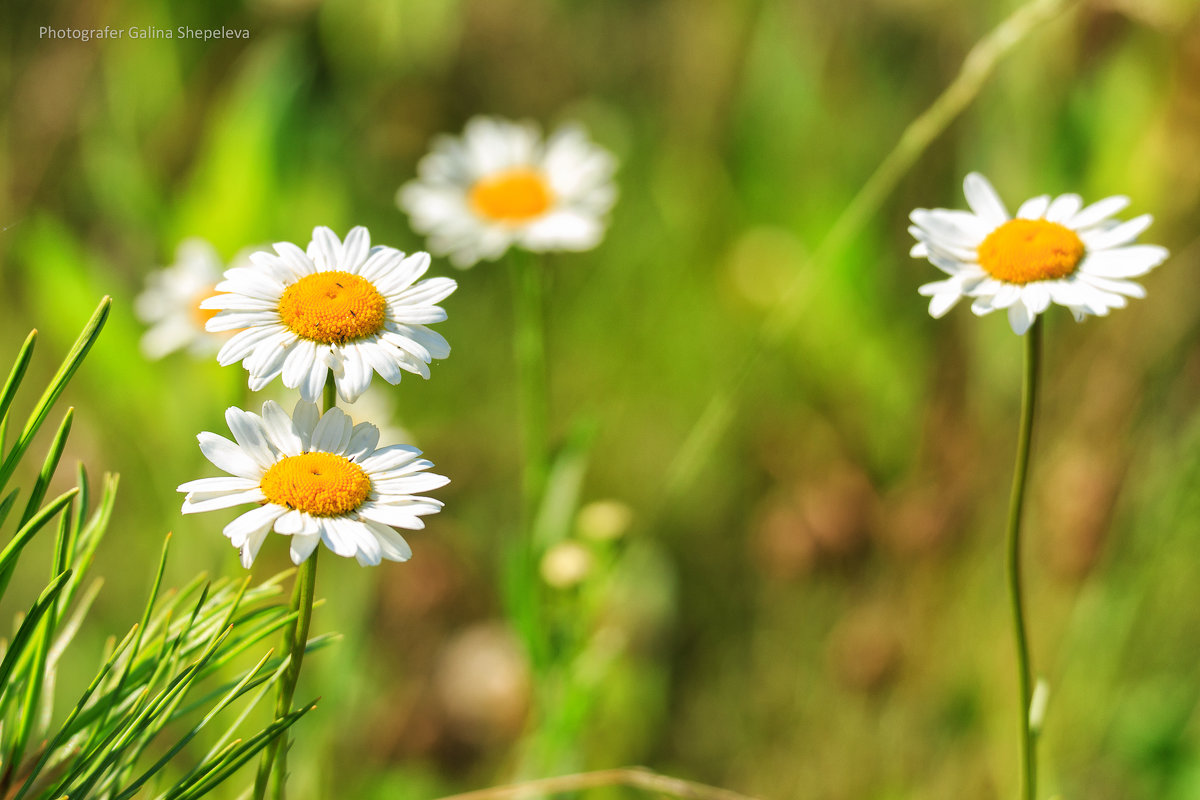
(314, 644)
(59, 382)
(140, 724)
(19, 642)
(63, 734)
(35, 673)
(237, 758)
(8, 557)
(18, 372)
(81, 506)
(228, 698)
(7, 504)
(113, 697)
(84, 543)
(42, 483)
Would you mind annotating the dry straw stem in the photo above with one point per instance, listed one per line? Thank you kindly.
(633, 777)
(977, 68)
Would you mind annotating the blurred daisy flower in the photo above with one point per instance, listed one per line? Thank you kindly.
(501, 185)
(170, 303)
(315, 479)
(1054, 250)
(344, 308)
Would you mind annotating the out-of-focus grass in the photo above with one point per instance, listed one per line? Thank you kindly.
(820, 614)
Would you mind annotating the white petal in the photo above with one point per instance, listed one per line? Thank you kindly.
(295, 259)
(390, 457)
(1034, 208)
(333, 431)
(983, 200)
(302, 546)
(224, 484)
(1019, 318)
(227, 456)
(355, 249)
(247, 429)
(1064, 207)
(1124, 262)
(1126, 232)
(1036, 298)
(1097, 212)
(280, 429)
(941, 303)
(324, 248)
(392, 544)
(196, 503)
(338, 537)
(256, 520)
(305, 417)
(363, 440)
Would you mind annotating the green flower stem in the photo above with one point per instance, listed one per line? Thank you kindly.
(522, 589)
(1033, 358)
(295, 640)
(529, 351)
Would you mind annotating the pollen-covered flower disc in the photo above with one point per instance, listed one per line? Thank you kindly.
(344, 308)
(1052, 251)
(315, 478)
(501, 185)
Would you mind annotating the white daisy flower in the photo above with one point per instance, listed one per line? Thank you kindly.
(170, 303)
(344, 308)
(315, 480)
(1054, 250)
(501, 185)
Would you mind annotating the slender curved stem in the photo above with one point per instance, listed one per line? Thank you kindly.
(1029, 388)
(295, 640)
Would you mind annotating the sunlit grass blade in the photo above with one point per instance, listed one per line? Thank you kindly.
(314, 644)
(42, 482)
(36, 694)
(6, 505)
(59, 382)
(20, 641)
(111, 699)
(168, 662)
(113, 748)
(84, 543)
(15, 375)
(221, 704)
(237, 757)
(81, 506)
(63, 734)
(12, 551)
(146, 613)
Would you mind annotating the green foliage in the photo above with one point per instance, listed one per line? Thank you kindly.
(164, 684)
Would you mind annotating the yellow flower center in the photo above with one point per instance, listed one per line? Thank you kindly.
(321, 484)
(1027, 250)
(332, 307)
(515, 195)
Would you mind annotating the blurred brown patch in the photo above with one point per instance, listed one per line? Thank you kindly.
(821, 520)
(482, 685)
(864, 650)
(1082, 490)
(921, 518)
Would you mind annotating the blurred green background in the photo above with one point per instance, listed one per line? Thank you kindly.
(820, 612)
